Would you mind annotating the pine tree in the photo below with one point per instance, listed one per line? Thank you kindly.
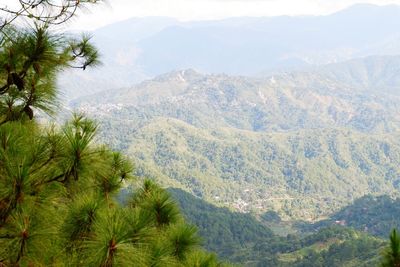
(391, 257)
(59, 189)
(51, 12)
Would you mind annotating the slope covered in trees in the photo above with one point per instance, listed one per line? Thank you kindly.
(223, 230)
(243, 239)
(302, 143)
(374, 215)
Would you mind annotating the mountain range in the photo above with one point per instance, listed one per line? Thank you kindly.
(141, 48)
(279, 137)
(301, 143)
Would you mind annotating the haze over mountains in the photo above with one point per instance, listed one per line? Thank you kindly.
(141, 48)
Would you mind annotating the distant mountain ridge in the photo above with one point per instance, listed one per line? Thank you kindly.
(336, 95)
(138, 49)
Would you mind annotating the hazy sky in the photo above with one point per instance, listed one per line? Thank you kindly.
(208, 9)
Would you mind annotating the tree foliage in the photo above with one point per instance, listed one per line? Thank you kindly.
(391, 257)
(45, 11)
(58, 187)
(240, 238)
(58, 204)
(375, 215)
(30, 60)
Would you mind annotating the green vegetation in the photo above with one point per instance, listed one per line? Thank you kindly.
(60, 191)
(304, 174)
(356, 251)
(223, 231)
(374, 215)
(294, 146)
(59, 187)
(240, 238)
(391, 257)
(301, 144)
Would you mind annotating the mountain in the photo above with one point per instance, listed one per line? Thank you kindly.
(337, 95)
(252, 45)
(301, 143)
(379, 74)
(141, 48)
(117, 44)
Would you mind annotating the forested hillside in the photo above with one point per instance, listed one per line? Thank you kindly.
(242, 239)
(222, 230)
(301, 143)
(374, 215)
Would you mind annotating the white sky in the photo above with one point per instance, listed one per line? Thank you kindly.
(116, 10)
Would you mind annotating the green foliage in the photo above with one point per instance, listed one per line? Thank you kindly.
(30, 60)
(242, 239)
(304, 145)
(51, 12)
(59, 187)
(223, 231)
(391, 257)
(345, 248)
(375, 215)
(271, 216)
(58, 205)
(182, 238)
(266, 171)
